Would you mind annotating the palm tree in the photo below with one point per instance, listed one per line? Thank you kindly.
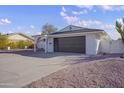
(120, 29)
(48, 29)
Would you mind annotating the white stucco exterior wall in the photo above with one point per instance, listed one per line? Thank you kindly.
(95, 45)
(92, 44)
(50, 45)
(105, 46)
(116, 46)
(111, 46)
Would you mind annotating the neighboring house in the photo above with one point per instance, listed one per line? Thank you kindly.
(77, 40)
(15, 37)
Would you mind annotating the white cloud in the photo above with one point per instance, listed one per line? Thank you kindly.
(110, 29)
(4, 21)
(84, 9)
(68, 18)
(108, 26)
(120, 8)
(32, 26)
(87, 23)
(80, 12)
(111, 7)
(63, 9)
(95, 24)
(10, 31)
(28, 32)
(79, 22)
(7, 32)
(71, 19)
(76, 20)
(89, 7)
(107, 7)
(3, 32)
(63, 13)
(102, 7)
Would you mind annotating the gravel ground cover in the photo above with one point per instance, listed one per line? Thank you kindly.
(94, 72)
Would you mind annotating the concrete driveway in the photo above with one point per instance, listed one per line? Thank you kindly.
(18, 68)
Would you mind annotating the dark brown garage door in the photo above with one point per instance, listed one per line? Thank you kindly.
(70, 44)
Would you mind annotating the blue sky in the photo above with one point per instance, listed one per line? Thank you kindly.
(30, 19)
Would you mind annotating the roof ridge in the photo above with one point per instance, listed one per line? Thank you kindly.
(71, 26)
(27, 36)
(78, 28)
(82, 29)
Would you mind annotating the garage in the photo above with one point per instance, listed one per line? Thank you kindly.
(70, 44)
(76, 40)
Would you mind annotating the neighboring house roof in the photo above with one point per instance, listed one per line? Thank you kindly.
(76, 29)
(28, 37)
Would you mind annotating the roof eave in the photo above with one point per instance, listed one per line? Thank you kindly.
(75, 34)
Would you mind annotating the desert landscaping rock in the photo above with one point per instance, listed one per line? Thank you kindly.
(101, 73)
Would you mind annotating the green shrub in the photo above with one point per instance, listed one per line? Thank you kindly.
(12, 45)
(3, 42)
(20, 44)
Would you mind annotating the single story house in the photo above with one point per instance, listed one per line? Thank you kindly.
(75, 39)
(15, 37)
